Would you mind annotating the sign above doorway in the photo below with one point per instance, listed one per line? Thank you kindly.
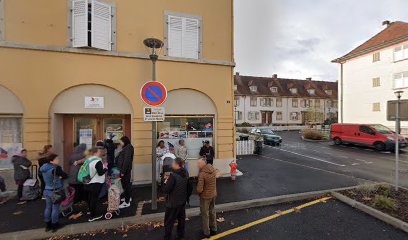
(94, 102)
(153, 93)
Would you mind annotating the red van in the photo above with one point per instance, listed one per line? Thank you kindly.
(374, 135)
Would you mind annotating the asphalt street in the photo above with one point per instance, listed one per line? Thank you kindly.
(332, 220)
(359, 162)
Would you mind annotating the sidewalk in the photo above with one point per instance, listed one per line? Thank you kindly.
(262, 178)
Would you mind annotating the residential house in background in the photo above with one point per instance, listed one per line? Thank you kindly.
(371, 73)
(281, 102)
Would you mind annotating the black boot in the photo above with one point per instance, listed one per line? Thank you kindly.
(55, 227)
(48, 226)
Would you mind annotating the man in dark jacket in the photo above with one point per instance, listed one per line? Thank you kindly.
(176, 189)
(207, 152)
(21, 171)
(125, 162)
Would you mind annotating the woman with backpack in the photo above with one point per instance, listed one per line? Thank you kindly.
(21, 171)
(54, 191)
(94, 179)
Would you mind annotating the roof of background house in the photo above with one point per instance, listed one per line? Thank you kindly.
(394, 33)
(283, 86)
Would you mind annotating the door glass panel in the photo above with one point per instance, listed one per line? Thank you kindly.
(113, 128)
(85, 131)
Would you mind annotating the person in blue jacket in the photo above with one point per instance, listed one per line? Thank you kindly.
(53, 176)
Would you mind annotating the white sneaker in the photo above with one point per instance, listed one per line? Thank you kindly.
(124, 205)
(123, 199)
(95, 218)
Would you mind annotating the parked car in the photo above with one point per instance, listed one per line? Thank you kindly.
(373, 135)
(268, 135)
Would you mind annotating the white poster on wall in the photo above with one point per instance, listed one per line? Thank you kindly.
(94, 102)
(85, 136)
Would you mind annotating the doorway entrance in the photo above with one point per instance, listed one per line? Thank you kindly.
(266, 117)
(89, 129)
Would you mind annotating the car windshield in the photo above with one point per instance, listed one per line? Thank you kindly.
(381, 129)
(267, 131)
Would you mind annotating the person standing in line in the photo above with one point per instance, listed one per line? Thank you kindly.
(176, 189)
(53, 176)
(181, 151)
(207, 151)
(94, 187)
(42, 156)
(207, 190)
(125, 163)
(76, 160)
(21, 171)
(161, 150)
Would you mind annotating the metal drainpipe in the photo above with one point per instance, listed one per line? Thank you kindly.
(341, 93)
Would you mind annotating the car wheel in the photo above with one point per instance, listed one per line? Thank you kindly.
(379, 146)
(337, 141)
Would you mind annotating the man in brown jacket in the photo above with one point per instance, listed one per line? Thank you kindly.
(207, 189)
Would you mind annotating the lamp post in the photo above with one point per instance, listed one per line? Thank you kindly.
(397, 131)
(154, 45)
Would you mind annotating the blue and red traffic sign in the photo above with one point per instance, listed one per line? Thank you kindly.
(153, 93)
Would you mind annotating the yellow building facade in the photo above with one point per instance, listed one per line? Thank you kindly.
(71, 72)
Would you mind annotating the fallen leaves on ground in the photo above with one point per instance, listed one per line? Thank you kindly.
(21, 203)
(75, 216)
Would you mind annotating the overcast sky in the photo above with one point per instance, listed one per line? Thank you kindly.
(299, 38)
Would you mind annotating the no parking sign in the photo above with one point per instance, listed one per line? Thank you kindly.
(153, 93)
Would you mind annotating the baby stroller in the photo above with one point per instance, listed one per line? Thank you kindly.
(66, 205)
(166, 162)
(114, 192)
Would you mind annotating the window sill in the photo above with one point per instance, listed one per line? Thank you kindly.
(397, 61)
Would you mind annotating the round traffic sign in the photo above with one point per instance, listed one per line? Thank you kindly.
(153, 93)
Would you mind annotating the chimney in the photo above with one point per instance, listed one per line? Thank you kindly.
(237, 74)
(275, 76)
(386, 23)
(309, 79)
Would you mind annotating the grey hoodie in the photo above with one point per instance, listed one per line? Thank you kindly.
(78, 154)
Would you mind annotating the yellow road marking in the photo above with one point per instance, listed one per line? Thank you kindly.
(262, 220)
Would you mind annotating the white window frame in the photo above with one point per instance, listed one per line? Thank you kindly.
(317, 103)
(167, 14)
(253, 88)
(376, 57)
(311, 91)
(295, 100)
(403, 77)
(112, 26)
(266, 102)
(294, 116)
(239, 115)
(252, 100)
(274, 89)
(279, 116)
(293, 90)
(253, 115)
(235, 87)
(402, 50)
(280, 101)
(236, 101)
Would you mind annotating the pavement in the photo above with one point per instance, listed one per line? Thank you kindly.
(295, 167)
(331, 220)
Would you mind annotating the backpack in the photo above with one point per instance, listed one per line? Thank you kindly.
(84, 174)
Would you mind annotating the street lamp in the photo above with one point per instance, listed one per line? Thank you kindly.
(154, 45)
(398, 94)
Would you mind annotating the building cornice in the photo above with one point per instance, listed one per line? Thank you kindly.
(5, 44)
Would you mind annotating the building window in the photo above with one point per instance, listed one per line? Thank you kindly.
(295, 102)
(376, 107)
(193, 129)
(253, 88)
(183, 36)
(294, 116)
(253, 102)
(91, 25)
(401, 53)
(317, 103)
(274, 89)
(401, 80)
(253, 116)
(236, 101)
(266, 102)
(293, 90)
(279, 116)
(238, 115)
(10, 139)
(311, 91)
(329, 92)
(376, 82)
(303, 103)
(235, 87)
(376, 57)
(279, 102)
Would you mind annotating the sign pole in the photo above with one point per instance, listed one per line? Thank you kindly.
(397, 129)
(154, 58)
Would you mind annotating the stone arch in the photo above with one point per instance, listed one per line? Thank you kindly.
(191, 101)
(11, 104)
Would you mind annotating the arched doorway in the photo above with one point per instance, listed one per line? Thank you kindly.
(87, 114)
(11, 137)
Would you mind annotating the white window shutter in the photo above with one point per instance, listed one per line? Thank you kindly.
(101, 26)
(190, 38)
(79, 23)
(175, 36)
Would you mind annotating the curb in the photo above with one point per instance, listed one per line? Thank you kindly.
(372, 212)
(78, 228)
(310, 140)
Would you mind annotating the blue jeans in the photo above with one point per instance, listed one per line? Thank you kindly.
(51, 212)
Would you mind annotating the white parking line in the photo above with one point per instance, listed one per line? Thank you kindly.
(355, 164)
(314, 158)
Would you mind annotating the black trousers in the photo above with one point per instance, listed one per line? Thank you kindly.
(127, 186)
(20, 191)
(170, 217)
(94, 204)
(42, 183)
